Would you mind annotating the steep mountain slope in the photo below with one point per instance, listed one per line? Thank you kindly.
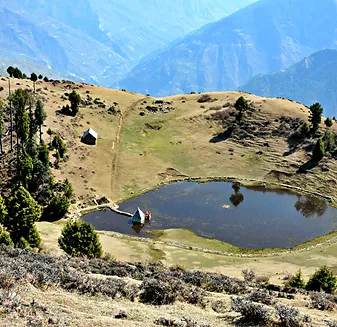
(310, 80)
(266, 36)
(99, 41)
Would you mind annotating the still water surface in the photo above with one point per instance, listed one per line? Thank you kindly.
(253, 218)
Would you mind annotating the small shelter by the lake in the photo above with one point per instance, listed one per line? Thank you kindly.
(138, 217)
(89, 137)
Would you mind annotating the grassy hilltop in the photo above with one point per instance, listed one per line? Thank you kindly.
(145, 141)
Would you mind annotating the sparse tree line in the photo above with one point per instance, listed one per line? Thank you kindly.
(326, 141)
(17, 73)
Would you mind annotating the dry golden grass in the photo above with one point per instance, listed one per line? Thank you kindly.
(145, 157)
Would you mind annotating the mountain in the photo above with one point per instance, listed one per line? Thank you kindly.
(99, 40)
(313, 79)
(266, 36)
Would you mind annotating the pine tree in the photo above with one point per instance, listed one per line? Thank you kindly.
(75, 100)
(80, 238)
(25, 169)
(241, 105)
(20, 100)
(297, 280)
(59, 146)
(43, 154)
(305, 129)
(322, 280)
(33, 78)
(328, 122)
(23, 212)
(10, 71)
(40, 116)
(315, 117)
(319, 151)
(5, 238)
(3, 211)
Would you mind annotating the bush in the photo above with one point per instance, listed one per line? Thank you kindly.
(205, 98)
(156, 292)
(261, 296)
(80, 239)
(252, 312)
(248, 275)
(289, 316)
(297, 281)
(323, 301)
(23, 243)
(57, 208)
(5, 238)
(322, 280)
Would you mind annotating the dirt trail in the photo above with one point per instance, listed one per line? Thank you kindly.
(115, 145)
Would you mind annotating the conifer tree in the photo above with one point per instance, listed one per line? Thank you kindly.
(319, 151)
(75, 100)
(33, 78)
(241, 105)
(10, 71)
(23, 212)
(315, 118)
(40, 116)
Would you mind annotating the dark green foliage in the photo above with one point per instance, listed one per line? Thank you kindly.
(3, 210)
(20, 98)
(46, 79)
(5, 238)
(10, 71)
(297, 280)
(23, 212)
(33, 237)
(305, 129)
(40, 76)
(33, 77)
(25, 169)
(241, 105)
(75, 100)
(59, 146)
(17, 73)
(39, 116)
(57, 208)
(329, 140)
(328, 122)
(43, 154)
(322, 280)
(68, 188)
(315, 118)
(80, 239)
(319, 152)
(23, 244)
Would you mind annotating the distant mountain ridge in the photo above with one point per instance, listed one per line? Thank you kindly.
(313, 79)
(266, 36)
(99, 40)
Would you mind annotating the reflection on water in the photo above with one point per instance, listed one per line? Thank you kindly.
(309, 206)
(258, 217)
(237, 197)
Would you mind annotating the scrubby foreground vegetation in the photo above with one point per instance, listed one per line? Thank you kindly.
(176, 297)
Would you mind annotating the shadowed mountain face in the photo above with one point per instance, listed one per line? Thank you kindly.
(266, 36)
(99, 41)
(313, 79)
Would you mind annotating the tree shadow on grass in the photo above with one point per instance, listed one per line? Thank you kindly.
(311, 164)
(223, 136)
